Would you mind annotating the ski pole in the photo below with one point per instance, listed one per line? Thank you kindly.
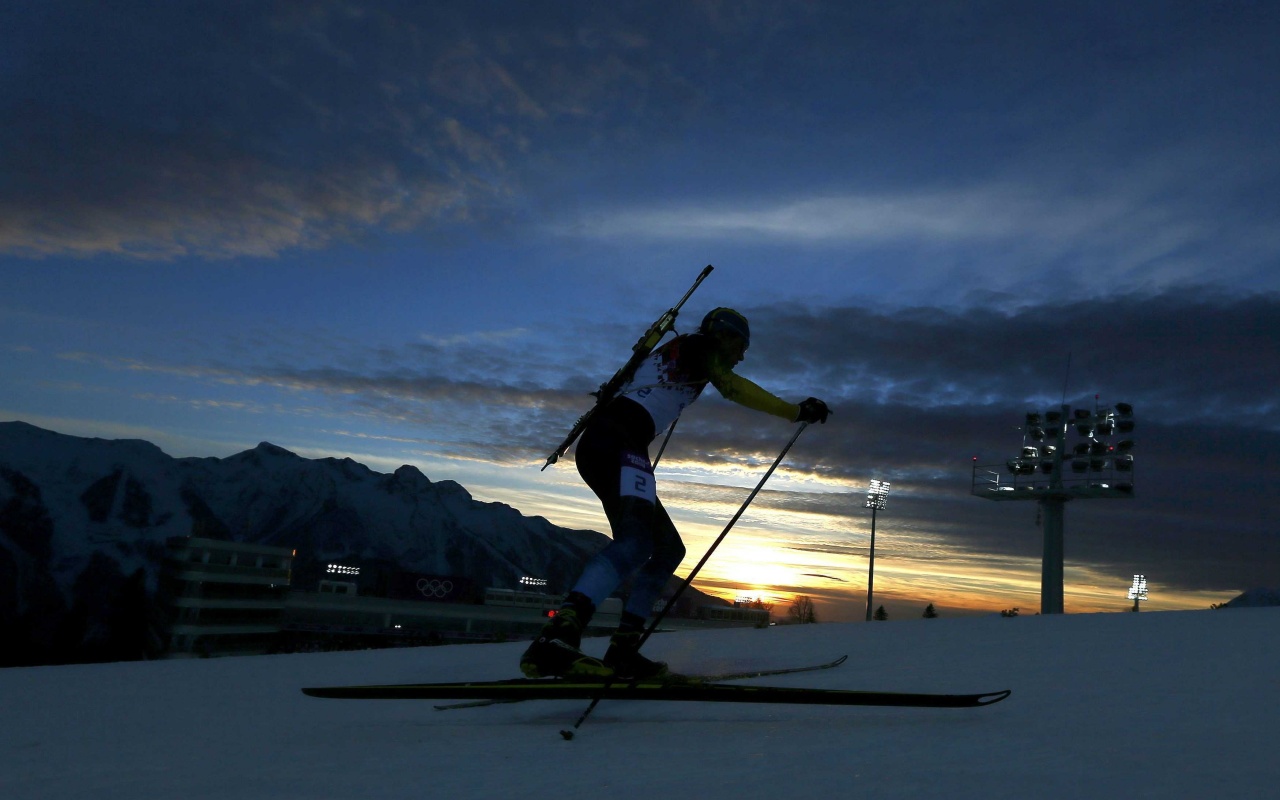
(698, 568)
(569, 733)
(663, 449)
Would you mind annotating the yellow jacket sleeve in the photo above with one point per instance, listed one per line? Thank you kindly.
(738, 389)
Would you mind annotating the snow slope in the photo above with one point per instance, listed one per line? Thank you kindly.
(1168, 705)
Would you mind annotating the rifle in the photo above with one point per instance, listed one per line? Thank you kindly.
(639, 352)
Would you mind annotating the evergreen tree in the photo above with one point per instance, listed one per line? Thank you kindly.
(881, 615)
(930, 612)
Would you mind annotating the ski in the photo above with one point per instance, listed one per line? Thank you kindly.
(713, 678)
(639, 352)
(680, 692)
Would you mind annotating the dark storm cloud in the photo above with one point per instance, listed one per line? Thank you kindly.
(1181, 354)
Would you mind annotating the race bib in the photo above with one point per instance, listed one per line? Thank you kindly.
(637, 478)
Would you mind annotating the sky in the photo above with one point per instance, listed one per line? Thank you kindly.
(423, 233)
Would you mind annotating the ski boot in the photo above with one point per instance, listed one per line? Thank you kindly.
(555, 652)
(623, 657)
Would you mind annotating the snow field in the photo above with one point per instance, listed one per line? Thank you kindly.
(1172, 704)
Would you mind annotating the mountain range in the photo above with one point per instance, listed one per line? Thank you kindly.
(84, 521)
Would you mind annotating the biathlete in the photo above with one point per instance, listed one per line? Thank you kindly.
(613, 458)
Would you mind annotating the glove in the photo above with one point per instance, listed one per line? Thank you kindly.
(813, 410)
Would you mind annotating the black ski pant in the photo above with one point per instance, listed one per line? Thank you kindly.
(646, 546)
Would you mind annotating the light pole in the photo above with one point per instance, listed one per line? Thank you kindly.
(877, 496)
(1099, 469)
(1138, 591)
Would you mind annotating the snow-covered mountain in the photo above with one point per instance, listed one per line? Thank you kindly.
(81, 517)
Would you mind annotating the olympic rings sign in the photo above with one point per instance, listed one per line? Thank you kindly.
(434, 587)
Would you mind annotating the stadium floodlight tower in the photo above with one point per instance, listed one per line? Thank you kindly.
(1099, 469)
(877, 498)
(1138, 591)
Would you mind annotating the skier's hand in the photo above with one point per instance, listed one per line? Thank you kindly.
(813, 410)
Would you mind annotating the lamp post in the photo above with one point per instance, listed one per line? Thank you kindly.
(1099, 469)
(877, 495)
(1138, 591)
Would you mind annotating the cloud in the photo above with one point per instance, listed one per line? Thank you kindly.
(838, 220)
(917, 393)
(825, 577)
(1137, 224)
(251, 129)
(158, 132)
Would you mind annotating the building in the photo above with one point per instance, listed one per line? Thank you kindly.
(731, 616)
(333, 618)
(225, 598)
(222, 597)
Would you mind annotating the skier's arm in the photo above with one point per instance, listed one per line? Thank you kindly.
(738, 389)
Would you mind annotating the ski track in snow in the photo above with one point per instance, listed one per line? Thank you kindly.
(1169, 705)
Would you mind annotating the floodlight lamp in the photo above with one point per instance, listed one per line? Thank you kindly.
(1106, 427)
(1036, 433)
(1124, 409)
(1021, 466)
(1138, 591)
(1124, 463)
(1033, 419)
(1030, 451)
(1083, 414)
(1124, 445)
(1052, 417)
(878, 491)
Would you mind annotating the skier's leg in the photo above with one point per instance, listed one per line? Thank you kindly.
(616, 476)
(668, 552)
(623, 480)
(623, 654)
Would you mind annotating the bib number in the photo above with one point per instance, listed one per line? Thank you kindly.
(637, 478)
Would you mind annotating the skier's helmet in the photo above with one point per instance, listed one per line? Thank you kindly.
(726, 321)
